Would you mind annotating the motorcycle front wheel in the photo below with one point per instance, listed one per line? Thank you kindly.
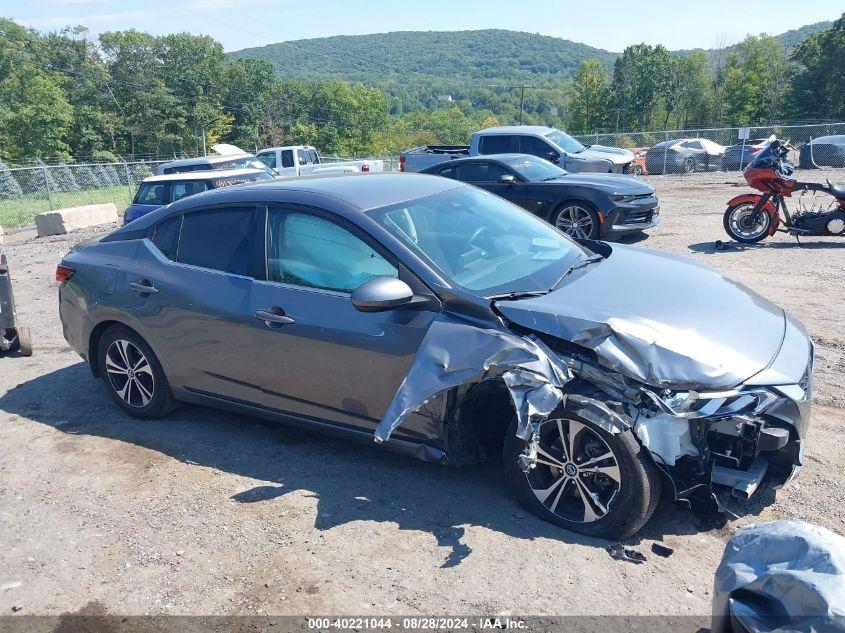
(744, 225)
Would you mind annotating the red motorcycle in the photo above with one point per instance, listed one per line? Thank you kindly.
(751, 217)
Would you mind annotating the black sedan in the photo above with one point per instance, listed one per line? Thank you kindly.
(585, 206)
(825, 151)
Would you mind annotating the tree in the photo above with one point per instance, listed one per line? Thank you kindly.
(639, 75)
(591, 98)
(686, 91)
(755, 78)
(818, 90)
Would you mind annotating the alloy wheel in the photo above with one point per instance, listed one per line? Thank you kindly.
(575, 221)
(746, 224)
(130, 373)
(577, 476)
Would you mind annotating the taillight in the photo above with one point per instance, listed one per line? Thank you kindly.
(401, 163)
(365, 167)
(63, 273)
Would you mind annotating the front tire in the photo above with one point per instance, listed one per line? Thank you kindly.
(688, 166)
(586, 479)
(133, 375)
(578, 220)
(742, 226)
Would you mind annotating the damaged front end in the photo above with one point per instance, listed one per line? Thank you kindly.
(719, 443)
(728, 442)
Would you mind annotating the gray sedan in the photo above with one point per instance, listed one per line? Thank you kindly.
(446, 323)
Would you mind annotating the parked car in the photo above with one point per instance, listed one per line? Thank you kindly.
(239, 160)
(824, 151)
(301, 160)
(638, 166)
(157, 191)
(345, 285)
(737, 156)
(584, 206)
(544, 142)
(686, 155)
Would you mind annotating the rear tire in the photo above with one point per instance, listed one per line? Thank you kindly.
(24, 344)
(688, 166)
(733, 227)
(133, 375)
(619, 508)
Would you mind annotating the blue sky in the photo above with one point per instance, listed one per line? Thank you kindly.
(609, 24)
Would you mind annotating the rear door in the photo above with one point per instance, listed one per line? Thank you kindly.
(497, 144)
(321, 357)
(190, 290)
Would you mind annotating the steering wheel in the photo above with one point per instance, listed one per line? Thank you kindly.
(479, 238)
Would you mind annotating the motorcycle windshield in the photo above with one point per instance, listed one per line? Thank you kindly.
(768, 157)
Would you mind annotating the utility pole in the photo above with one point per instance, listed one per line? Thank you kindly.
(522, 102)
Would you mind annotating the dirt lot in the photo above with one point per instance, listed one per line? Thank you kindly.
(212, 513)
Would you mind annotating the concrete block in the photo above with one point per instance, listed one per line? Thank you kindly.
(75, 218)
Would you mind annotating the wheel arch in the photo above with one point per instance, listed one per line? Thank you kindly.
(96, 335)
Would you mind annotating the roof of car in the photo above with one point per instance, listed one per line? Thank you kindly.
(201, 160)
(834, 138)
(361, 190)
(468, 159)
(203, 175)
(518, 129)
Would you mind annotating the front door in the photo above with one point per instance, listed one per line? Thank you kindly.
(320, 357)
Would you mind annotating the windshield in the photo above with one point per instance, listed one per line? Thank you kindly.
(565, 142)
(534, 169)
(481, 242)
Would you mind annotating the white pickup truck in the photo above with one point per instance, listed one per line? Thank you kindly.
(301, 160)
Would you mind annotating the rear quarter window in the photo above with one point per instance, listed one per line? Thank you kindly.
(151, 193)
(166, 236)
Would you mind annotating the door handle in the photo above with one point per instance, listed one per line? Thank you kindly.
(143, 287)
(271, 318)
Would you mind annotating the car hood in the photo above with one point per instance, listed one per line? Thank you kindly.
(609, 183)
(661, 319)
(615, 155)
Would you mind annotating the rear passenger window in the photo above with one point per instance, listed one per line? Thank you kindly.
(497, 144)
(287, 158)
(166, 236)
(220, 239)
(181, 190)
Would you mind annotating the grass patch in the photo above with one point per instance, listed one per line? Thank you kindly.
(22, 211)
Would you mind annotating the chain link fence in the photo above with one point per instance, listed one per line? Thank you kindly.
(723, 149)
(27, 191)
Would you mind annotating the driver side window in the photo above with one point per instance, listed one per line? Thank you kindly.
(309, 250)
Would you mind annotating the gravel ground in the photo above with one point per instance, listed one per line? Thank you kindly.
(213, 513)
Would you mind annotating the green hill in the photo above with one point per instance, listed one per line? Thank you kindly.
(474, 57)
(471, 56)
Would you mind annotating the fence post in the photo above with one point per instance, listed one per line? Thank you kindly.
(665, 151)
(43, 166)
(128, 179)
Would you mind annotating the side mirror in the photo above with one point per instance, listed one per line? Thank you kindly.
(507, 179)
(382, 294)
(553, 157)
